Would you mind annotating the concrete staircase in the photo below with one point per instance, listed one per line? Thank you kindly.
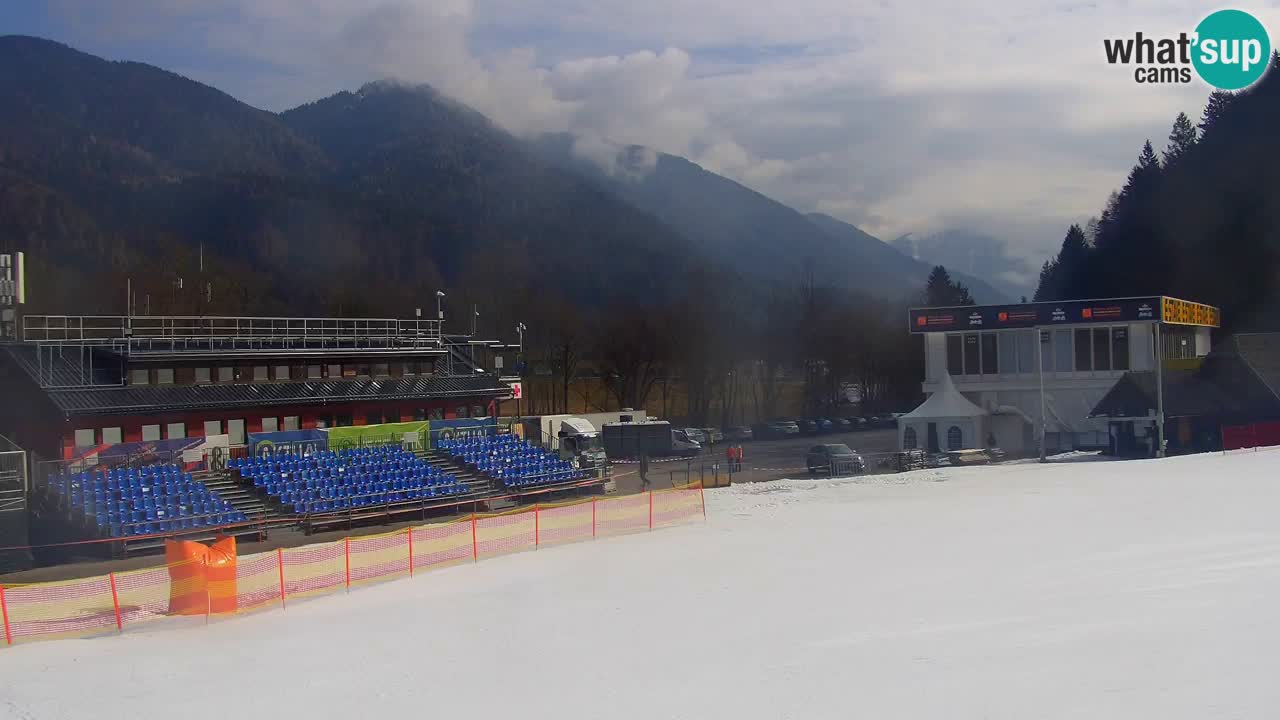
(241, 497)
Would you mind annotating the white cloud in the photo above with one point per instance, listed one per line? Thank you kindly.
(1001, 117)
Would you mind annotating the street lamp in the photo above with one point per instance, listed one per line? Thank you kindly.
(520, 328)
(475, 318)
(439, 307)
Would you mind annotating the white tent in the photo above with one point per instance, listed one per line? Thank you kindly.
(948, 416)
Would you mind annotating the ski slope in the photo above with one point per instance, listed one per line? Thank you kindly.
(1143, 589)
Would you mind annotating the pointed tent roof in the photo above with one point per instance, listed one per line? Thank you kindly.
(945, 402)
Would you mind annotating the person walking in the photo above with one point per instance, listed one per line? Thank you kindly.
(737, 459)
(644, 471)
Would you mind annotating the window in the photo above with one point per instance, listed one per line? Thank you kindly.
(420, 414)
(342, 421)
(909, 438)
(477, 411)
(202, 376)
(1120, 348)
(335, 371)
(381, 370)
(226, 374)
(260, 373)
(410, 368)
(460, 411)
(971, 354)
(324, 421)
(1062, 350)
(235, 431)
(955, 356)
(1046, 350)
(362, 370)
(313, 372)
(175, 431)
(955, 438)
(1027, 352)
(1101, 349)
(373, 418)
(436, 413)
(989, 353)
(212, 427)
(290, 423)
(164, 376)
(84, 438)
(282, 372)
(112, 436)
(270, 424)
(139, 377)
(150, 433)
(1008, 353)
(1084, 350)
(348, 371)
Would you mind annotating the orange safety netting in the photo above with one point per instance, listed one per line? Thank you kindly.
(199, 579)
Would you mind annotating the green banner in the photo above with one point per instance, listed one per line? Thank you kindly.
(360, 435)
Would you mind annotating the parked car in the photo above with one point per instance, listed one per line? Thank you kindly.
(825, 425)
(807, 427)
(713, 434)
(783, 428)
(738, 433)
(888, 420)
(834, 459)
(696, 435)
(842, 425)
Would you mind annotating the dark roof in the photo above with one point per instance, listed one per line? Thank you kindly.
(128, 399)
(69, 365)
(1223, 386)
(1262, 352)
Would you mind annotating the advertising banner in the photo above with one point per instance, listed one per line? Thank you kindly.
(300, 442)
(413, 433)
(462, 427)
(1027, 315)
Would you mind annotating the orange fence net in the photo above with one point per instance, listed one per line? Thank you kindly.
(218, 582)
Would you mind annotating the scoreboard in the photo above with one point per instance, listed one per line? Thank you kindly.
(1071, 312)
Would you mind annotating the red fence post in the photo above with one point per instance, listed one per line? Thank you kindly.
(537, 524)
(410, 552)
(4, 609)
(115, 601)
(1253, 430)
(650, 509)
(702, 497)
(280, 566)
(346, 546)
(475, 547)
(208, 599)
(593, 517)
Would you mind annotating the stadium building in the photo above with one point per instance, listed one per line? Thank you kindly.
(1000, 375)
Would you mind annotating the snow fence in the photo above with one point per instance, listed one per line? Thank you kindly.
(113, 602)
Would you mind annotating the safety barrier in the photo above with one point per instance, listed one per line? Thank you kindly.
(114, 602)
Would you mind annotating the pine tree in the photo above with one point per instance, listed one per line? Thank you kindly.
(1181, 139)
(1219, 101)
(942, 291)
(1147, 159)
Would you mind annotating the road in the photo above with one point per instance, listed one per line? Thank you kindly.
(763, 460)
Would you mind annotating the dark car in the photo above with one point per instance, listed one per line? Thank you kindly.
(825, 425)
(834, 459)
(807, 427)
(842, 425)
(738, 433)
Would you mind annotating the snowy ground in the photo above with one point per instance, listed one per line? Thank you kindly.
(1145, 589)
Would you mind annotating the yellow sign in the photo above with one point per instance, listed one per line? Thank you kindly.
(1185, 312)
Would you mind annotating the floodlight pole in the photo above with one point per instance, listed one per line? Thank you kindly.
(1159, 354)
(1044, 451)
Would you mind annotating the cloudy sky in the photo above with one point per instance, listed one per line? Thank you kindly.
(999, 117)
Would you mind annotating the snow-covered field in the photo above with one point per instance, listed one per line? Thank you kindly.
(1146, 589)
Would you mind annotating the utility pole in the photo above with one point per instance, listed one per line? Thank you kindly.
(1044, 451)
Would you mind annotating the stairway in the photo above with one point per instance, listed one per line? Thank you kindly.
(478, 484)
(241, 497)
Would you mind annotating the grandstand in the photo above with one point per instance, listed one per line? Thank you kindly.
(514, 463)
(153, 499)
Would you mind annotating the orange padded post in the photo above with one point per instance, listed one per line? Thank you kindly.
(221, 574)
(188, 588)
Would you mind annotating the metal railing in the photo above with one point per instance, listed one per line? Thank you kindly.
(13, 481)
(179, 332)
